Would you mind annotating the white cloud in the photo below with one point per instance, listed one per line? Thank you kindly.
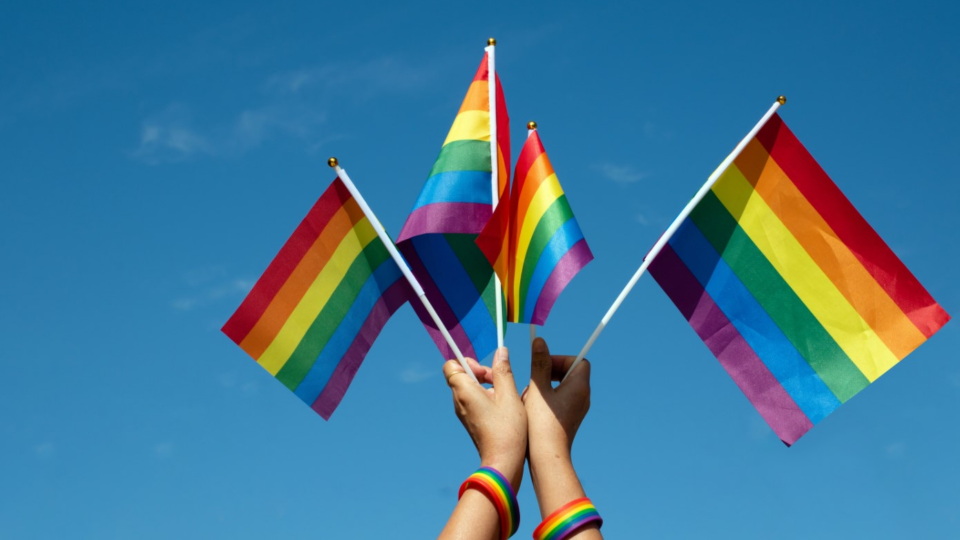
(621, 174)
(45, 450)
(416, 373)
(164, 450)
(209, 292)
(170, 136)
(642, 219)
(896, 450)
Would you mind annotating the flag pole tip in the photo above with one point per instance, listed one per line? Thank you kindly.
(531, 125)
(782, 100)
(491, 42)
(333, 162)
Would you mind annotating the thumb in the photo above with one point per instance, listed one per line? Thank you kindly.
(503, 381)
(541, 363)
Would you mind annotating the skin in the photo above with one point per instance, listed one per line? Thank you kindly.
(497, 422)
(553, 417)
(500, 424)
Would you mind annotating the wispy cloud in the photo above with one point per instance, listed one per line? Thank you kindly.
(207, 285)
(164, 450)
(642, 219)
(416, 372)
(895, 450)
(45, 450)
(621, 174)
(362, 80)
(172, 135)
(294, 104)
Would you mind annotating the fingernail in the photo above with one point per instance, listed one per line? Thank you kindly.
(539, 346)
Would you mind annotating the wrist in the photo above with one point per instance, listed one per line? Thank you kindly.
(511, 467)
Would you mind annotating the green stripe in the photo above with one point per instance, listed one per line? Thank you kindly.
(556, 215)
(332, 314)
(784, 307)
(465, 155)
(477, 267)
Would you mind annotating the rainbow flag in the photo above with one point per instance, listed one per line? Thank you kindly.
(791, 289)
(437, 239)
(533, 241)
(314, 313)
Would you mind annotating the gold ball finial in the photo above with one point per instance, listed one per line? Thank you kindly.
(782, 100)
(491, 41)
(332, 162)
(531, 125)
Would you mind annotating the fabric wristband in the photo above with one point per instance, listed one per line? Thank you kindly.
(498, 489)
(567, 519)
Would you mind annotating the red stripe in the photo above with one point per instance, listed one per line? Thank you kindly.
(852, 229)
(259, 298)
(482, 70)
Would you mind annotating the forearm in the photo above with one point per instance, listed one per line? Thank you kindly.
(476, 515)
(474, 518)
(556, 483)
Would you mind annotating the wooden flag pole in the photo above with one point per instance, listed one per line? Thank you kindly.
(673, 228)
(388, 243)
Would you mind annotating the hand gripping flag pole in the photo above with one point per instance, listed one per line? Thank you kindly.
(388, 242)
(672, 229)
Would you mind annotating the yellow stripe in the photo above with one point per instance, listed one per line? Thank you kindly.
(804, 276)
(830, 253)
(470, 125)
(548, 192)
(316, 297)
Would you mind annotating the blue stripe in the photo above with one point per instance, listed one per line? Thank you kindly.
(331, 355)
(456, 187)
(458, 290)
(560, 243)
(751, 320)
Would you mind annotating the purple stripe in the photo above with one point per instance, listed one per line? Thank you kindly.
(336, 387)
(445, 218)
(725, 342)
(571, 263)
(440, 305)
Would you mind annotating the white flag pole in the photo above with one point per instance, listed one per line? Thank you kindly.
(388, 242)
(673, 228)
(531, 129)
(494, 169)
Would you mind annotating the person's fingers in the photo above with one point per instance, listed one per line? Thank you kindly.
(503, 374)
(540, 363)
(560, 366)
(523, 395)
(483, 373)
(579, 379)
(466, 391)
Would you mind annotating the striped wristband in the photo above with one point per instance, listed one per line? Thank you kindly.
(497, 489)
(567, 519)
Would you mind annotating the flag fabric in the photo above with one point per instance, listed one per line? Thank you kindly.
(792, 290)
(455, 203)
(317, 309)
(533, 240)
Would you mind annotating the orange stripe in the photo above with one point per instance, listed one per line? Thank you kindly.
(539, 171)
(836, 260)
(289, 295)
(477, 98)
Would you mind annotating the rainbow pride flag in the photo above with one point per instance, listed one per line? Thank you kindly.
(792, 290)
(455, 203)
(314, 313)
(533, 241)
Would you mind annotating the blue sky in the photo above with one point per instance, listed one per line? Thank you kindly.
(155, 157)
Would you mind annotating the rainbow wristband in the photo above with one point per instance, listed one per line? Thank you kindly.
(498, 489)
(567, 519)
